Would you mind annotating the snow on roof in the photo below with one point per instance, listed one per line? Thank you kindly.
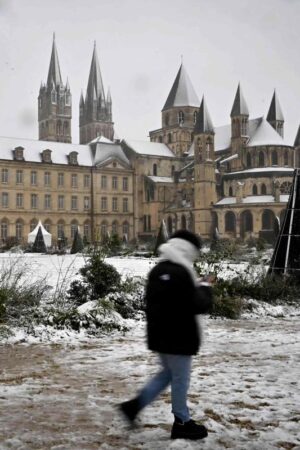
(253, 199)
(161, 179)
(101, 139)
(34, 148)
(230, 158)
(149, 148)
(106, 151)
(266, 135)
(182, 92)
(262, 170)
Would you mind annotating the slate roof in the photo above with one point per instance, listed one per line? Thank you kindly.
(203, 123)
(275, 112)
(253, 199)
(95, 88)
(149, 148)
(34, 148)
(239, 107)
(105, 152)
(266, 135)
(160, 179)
(182, 92)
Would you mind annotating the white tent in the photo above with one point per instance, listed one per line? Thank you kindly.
(47, 236)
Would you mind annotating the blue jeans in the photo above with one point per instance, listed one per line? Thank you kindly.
(176, 371)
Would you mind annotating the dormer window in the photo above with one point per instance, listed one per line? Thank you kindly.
(73, 158)
(19, 154)
(46, 156)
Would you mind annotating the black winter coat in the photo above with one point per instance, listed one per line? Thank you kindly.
(172, 302)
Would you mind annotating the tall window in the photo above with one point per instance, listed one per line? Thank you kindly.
(47, 178)
(74, 202)
(248, 159)
(230, 191)
(74, 228)
(60, 230)
(103, 203)
(254, 189)
(4, 230)
(4, 176)
(263, 189)
(47, 201)
(155, 170)
(230, 221)
(274, 158)
(19, 200)
(61, 202)
(286, 158)
(19, 177)
(195, 116)
(115, 182)
(261, 159)
(125, 204)
(181, 117)
(60, 179)
(114, 227)
(86, 181)
(19, 229)
(33, 178)
(34, 201)
(115, 204)
(125, 183)
(125, 229)
(103, 182)
(4, 199)
(86, 203)
(74, 180)
(87, 230)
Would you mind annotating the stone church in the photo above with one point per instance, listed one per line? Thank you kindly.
(232, 181)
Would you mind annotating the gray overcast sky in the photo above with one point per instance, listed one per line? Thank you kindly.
(140, 43)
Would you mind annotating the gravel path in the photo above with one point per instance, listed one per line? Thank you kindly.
(244, 387)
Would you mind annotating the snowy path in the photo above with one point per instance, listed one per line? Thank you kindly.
(244, 386)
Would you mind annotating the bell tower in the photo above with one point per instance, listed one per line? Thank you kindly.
(204, 176)
(55, 104)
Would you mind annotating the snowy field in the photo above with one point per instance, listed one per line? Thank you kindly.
(64, 395)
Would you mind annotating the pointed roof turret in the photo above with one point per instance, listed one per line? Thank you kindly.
(108, 97)
(239, 107)
(95, 88)
(297, 139)
(182, 92)
(54, 75)
(275, 111)
(81, 101)
(203, 123)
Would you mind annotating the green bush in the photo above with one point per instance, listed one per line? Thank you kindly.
(97, 280)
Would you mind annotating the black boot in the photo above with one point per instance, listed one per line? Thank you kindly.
(188, 430)
(130, 409)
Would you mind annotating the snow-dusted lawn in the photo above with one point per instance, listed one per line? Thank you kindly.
(245, 383)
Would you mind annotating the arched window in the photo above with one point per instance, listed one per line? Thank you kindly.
(58, 128)
(248, 160)
(274, 158)
(66, 129)
(87, 229)
(261, 159)
(254, 190)
(263, 189)
(103, 230)
(286, 158)
(181, 117)
(230, 222)
(169, 138)
(61, 229)
(125, 230)
(53, 96)
(155, 170)
(47, 225)
(195, 116)
(74, 228)
(183, 222)
(114, 227)
(230, 191)
(247, 221)
(167, 119)
(33, 224)
(19, 229)
(267, 220)
(4, 229)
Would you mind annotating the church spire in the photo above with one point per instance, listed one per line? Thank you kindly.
(54, 75)
(95, 89)
(275, 116)
(182, 92)
(204, 123)
(239, 107)
(95, 111)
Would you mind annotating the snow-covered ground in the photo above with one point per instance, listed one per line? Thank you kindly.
(64, 395)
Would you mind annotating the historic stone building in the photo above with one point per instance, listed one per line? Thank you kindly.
(232, 181)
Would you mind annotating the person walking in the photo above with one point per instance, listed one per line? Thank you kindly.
(174, 296)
